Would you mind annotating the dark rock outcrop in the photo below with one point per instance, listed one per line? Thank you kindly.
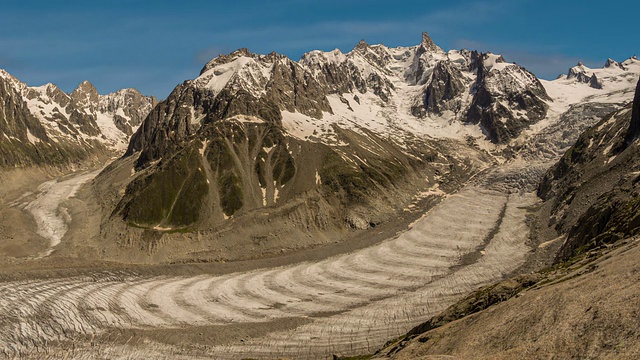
(579, 73)
(596, 183)
(634, 126)
(168, 124)
(506, 101)
(292, 88)
(427, 45)
(443, 92)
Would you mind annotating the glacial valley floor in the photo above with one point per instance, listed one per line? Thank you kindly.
(337, 300)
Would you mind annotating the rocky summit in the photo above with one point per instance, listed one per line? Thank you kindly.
(386, 202)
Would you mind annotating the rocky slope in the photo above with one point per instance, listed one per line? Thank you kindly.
(259, 132)
(45, 126)
(596, 183)
(586, 305)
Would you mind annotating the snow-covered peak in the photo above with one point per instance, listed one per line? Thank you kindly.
(317, 58)
(615, 83)
(458, 57)
(631, 63)
(613, 64)
(224, 59)
(576, 71)
(48, 87)
(361, 46)
(86, 87)
(242, 72)
(13, 80)
(505, 81)
(614, 75)
(84, 115)
(494, 62)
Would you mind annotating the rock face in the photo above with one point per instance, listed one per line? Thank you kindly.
(421, 81)
(443, 92)
(634, 127)
(261, 88)
(610, 76)
(580, 73)
(507, 100)
(43, 125)
(233, 166)
(265, 133)
(596, 183)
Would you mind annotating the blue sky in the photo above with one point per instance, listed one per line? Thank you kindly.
(155, 45)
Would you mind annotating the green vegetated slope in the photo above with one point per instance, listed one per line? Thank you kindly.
(232, 167)
(172, 195)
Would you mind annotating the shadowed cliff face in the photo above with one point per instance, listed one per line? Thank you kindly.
(508, 99)
(594, 188)
(634, 126)
(444, 91)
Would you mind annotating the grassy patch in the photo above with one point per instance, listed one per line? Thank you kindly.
(172, 196)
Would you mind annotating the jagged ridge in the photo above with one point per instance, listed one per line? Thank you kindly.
(44, 125)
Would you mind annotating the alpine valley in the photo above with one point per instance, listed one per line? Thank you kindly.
(319, 208)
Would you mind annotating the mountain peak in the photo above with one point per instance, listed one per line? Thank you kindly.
(7, 76)
(361, 45)
(85, 94)
(579, 71)
(612, 63)
(224, 59)
(86, 87)
(427, 45)
(4, 73)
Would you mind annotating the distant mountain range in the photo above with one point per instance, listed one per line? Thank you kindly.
(45, 126)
